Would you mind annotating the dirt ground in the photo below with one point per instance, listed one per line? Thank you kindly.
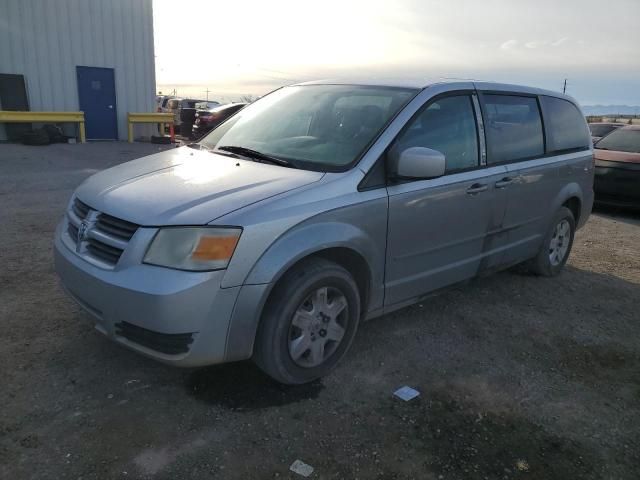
(520, 377)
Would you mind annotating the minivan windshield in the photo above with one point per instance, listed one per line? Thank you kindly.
(319, 127)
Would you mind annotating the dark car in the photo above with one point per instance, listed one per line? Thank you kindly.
(187, 114)
(617, 173)
(602, 129)
(207, 120)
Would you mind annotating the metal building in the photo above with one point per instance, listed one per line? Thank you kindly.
(67, 55)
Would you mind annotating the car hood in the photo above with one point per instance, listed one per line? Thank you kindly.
(616, 156)
(184, 186)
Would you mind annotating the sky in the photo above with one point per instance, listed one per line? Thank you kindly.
(250, 47)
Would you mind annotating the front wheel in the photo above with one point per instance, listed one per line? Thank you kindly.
(309, 322)
(556, 246)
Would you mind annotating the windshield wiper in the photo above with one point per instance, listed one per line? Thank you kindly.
(199, 146)
(248, 152)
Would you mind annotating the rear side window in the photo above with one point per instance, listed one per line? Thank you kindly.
(565, 126)
(449, 126)
(513, 128)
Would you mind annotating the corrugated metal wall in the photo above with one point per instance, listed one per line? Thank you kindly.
(45, 40)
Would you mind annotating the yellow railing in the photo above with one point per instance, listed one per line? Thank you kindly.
(159, 118)
(8, 116)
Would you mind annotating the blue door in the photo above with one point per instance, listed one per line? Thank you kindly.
(97, 96)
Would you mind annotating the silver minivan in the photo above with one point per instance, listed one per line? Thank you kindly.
(318, 206)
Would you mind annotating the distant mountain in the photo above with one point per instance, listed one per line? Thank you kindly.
(611, 110)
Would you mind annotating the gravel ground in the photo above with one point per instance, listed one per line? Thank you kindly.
(520, 377)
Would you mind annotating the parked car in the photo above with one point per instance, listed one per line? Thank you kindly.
(318, 206)
(207, 105)
(172, 106)
(208, 119)
(617, 175)
(161, 102)
(184, 112)
(602, 129)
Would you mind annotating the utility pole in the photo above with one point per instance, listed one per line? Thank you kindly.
(207, 92)
(564, 88)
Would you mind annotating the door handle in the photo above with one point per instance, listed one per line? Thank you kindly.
(504, 182)
(477, 188)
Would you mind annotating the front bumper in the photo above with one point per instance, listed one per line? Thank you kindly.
(177, 317)
(617, 183)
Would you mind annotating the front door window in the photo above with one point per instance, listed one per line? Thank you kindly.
(447, 125)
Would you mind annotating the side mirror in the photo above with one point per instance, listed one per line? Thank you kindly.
(418, 162)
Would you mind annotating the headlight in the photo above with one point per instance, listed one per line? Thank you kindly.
(193, 248)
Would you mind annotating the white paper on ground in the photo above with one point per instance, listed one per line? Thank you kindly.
(406, 393)
(301, 468)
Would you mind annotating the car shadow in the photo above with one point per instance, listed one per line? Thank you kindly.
(622, 214)
(241, 386)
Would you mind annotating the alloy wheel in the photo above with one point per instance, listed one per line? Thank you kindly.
(559, 244)
(318, 326)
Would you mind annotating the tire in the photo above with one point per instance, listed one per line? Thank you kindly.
(294, 345)
(552, 257)
(160, 139)
(55, 133)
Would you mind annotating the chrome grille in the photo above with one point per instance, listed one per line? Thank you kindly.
(103, 251)
(80, 209)
(114, 226)
(104, 237)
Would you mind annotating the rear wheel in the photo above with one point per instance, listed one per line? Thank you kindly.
(309, 322)
(556, 247)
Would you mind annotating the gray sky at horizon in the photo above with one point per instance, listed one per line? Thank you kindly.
(251, 47)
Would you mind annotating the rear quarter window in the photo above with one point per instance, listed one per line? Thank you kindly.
(565, 126)
(513, 128)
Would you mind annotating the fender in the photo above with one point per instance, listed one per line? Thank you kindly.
(360, 228)
(570, 190)
(306, 240)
